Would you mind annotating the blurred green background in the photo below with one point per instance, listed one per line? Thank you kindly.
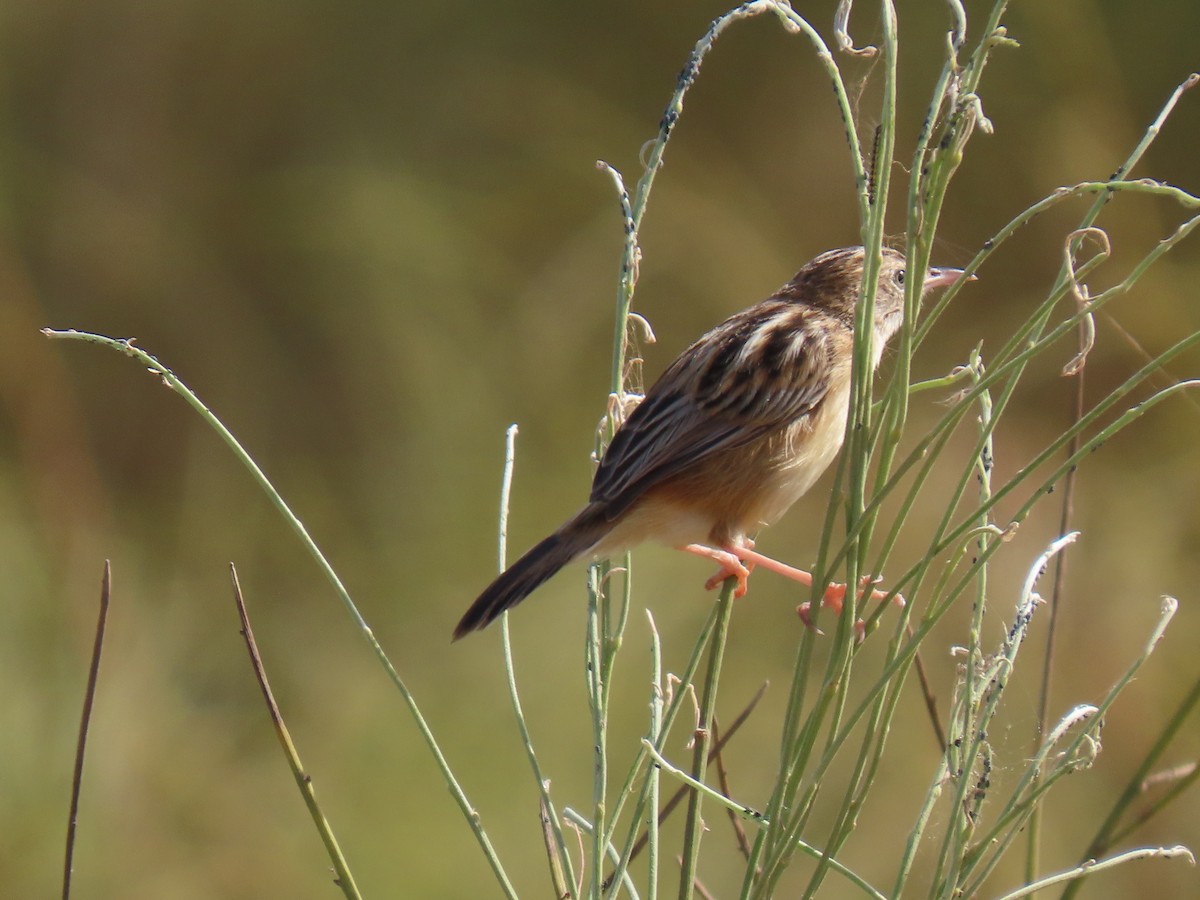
(370, 236)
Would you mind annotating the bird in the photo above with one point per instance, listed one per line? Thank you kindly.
(732, 433)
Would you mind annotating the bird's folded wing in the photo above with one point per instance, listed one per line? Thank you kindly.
(758, 372)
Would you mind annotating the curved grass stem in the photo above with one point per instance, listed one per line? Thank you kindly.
(128, 348)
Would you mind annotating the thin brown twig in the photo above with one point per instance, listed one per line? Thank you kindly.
(1164, 377)
(344, 879)
(1180, 786)
(723, 780)
(718, 745)
(574, 826)
(1108, 833)
(935, 719)
(1171, 776)
(704, 892)
(1066, 515)
(84, 722)
(557, 878)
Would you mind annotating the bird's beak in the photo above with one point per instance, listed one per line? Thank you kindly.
(940, 277)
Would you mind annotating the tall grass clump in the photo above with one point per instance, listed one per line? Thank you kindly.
(842, 708)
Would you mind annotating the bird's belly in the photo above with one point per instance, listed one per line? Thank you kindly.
(729, 496)
(790, 461)
(659, 518)
(803, 455)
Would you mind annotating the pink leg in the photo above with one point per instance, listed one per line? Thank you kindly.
(834, 596)
(739, 561)
(731, 567)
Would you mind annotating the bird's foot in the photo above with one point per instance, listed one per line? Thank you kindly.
(834, 597)
(738, 561)
(731, 567)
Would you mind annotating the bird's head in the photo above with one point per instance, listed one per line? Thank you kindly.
(833, 281)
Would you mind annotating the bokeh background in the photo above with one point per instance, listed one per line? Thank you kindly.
(371, 235)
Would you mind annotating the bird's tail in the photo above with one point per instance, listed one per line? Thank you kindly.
(523, 577)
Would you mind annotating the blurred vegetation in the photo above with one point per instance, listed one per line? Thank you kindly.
(370, 236)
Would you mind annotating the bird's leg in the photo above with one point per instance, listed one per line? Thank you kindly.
(731, 567)
(739, 560)
(834, 596)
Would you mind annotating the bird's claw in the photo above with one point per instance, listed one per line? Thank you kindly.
(731, 567)
(834, 597)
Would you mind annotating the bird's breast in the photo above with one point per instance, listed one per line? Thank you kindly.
(796, 457)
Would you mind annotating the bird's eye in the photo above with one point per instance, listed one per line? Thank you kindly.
(899, 276)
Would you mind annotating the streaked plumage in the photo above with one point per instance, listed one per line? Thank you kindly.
(733, 433)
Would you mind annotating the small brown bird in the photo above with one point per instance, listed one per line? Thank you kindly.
(730, 436)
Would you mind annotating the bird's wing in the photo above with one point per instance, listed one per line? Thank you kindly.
(760, 370)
